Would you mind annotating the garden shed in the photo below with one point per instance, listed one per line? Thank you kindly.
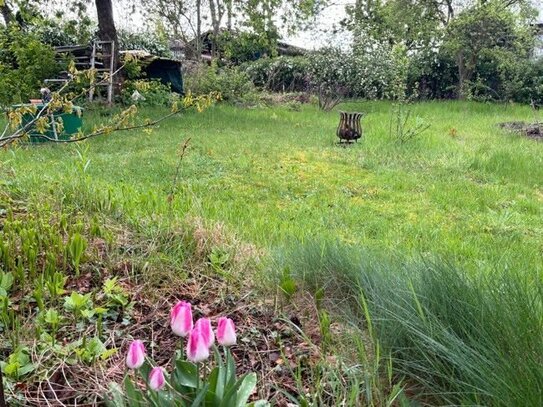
(167, 70)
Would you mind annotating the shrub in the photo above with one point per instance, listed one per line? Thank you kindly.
(233, 84)
(366, 71)
(56, 32)
(244, 46)
(282, 74)
(147, 41)
(143, 92)
(24, 63)
(460, 339)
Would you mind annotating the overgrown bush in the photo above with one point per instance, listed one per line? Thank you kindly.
(458, 338)
(24, 63)
(233, 84)
(151, 42)
(366, 71)
(57, 33)
(242, 47)
(282, 74)
(143, 92)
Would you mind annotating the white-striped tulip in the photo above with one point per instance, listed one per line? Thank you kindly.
(204, 325)
(226, 332)
(136, 355)
(181, 318)
(157, 379)
(197, 349)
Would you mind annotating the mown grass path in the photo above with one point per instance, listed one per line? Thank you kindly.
(464, 190)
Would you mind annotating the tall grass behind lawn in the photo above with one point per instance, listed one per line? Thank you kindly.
(457, 338)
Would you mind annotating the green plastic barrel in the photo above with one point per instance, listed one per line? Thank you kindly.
(71, 122)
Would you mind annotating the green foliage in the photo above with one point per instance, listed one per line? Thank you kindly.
(282, 74)
(369, 70)
(76, 249)
(35, 251)
(149, 41)
(233, 84)
(18, 364)
(477, 50)
(184, 386)
(240, 47)
(487, 42)
(24, 63)
(145, 92)
(62, 31)
(462, 338)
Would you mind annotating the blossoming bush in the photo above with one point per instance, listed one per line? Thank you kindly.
(186, 384)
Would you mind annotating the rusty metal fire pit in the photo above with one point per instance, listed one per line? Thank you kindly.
(349, 129)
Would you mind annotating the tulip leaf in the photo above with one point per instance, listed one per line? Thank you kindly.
(200, 397)
(230, 370)
(248, 384)
(218, 386)
(116, 396)
(132, 394)
(185, 374)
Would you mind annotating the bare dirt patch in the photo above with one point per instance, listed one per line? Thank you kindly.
(530, 130)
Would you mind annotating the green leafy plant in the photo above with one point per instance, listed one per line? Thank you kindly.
(92, 349)
(115, 293)
(79, 304)
(76, 248)
(18, 364)
(55, 284)
(6, 282)
(219, 259)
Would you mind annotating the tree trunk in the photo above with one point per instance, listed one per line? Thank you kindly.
(217, 13)
(198, 30)
(106, 26)
(461, 75)
(108, 32)
(229, 14)
(7, 14)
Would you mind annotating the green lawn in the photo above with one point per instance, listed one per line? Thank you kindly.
(272, 175)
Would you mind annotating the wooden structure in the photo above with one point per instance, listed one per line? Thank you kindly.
(99, 57)
(103, 62)
(349, 128)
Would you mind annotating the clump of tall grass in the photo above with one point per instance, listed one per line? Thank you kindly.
(454, 337)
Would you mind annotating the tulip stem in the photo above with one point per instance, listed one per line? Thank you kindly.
(197, 377)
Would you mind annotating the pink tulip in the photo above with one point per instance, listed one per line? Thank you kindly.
(136, 355)
(181, 318)
(204, 325)
(197, 349)
(156, 379)
(226, 332)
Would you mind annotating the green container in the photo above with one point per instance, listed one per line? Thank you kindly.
(72, 122)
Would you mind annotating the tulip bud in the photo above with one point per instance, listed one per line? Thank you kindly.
(204, 325)
(197, 349)
(181, 318)
(156, 379)
(136, 355)
(226, 332)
